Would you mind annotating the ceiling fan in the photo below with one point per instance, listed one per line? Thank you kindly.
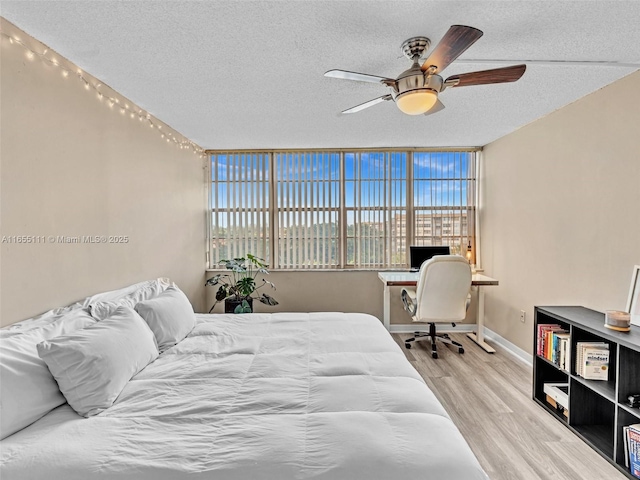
(416, 90)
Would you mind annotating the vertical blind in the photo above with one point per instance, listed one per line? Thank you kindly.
(444, 191)
(375, 193)
(306, 209)
(340, 209)
(240, 205)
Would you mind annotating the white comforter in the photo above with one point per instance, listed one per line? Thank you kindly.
(279, 396)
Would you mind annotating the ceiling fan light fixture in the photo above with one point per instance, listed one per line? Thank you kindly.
(416, 102)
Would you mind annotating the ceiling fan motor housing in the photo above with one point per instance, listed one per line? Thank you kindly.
(416, 79)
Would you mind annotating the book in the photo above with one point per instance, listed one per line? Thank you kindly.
(596, 363)
(545, 342)
(555, 346)
(555, 351)
(561, 349)
(567, 358)
(548, 342)
(542, 329)
(579, 354)
(633, 439)
(626, 446)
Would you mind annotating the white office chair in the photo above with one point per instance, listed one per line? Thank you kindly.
(441, 296)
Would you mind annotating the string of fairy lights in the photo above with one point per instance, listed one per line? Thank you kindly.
(111, 101)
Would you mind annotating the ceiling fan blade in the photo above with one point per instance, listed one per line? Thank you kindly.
(554, 63)
(436, 108)
(368, 104)
(358, 77)
(457, 39)
(497, 75)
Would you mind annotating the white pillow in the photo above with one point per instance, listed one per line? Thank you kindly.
(93, 365)
(169, 315)
(144, 289)
(131, 295)
(39, 321)
(102, 310)
(28, 390)
(103, 305)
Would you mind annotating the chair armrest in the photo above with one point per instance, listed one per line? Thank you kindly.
(411, 293)
(409, 300)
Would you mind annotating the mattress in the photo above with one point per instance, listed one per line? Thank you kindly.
(258, 396)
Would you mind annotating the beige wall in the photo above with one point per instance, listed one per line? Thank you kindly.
(72, 166)
(341, 291)
(560, 210)
(318, 291)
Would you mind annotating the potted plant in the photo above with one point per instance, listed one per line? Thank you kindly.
(237, 288)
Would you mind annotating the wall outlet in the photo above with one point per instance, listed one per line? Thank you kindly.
(522, 315)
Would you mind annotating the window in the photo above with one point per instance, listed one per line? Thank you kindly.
(340, 209)
(306, 210)
(240, 201)
(444, 192)
(375, 192)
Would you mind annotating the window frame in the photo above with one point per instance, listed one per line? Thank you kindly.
(410, 210)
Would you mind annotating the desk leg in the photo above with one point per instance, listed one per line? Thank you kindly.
(478, 337)
(386, 319)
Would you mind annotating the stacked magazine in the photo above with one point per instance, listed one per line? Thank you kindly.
(632, 448)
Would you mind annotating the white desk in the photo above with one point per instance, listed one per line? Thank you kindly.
(410, 279)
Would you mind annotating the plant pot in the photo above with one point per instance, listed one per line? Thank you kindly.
(230, 304)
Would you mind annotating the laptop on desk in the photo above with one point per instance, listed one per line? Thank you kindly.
(419, 254)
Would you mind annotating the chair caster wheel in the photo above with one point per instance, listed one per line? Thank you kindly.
(434, 354)
(407, 346)
(461, 350)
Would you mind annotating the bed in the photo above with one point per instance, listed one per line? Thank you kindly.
(257, 396)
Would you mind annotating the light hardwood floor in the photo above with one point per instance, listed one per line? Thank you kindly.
(489, 398)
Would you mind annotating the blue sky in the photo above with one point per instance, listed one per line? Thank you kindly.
(305, 178)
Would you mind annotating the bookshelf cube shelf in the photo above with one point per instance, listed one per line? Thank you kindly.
(629, 374)
(597, 410)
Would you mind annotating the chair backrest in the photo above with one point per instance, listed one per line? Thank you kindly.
(442, 290)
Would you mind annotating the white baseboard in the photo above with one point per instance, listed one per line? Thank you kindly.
(512, 348)
(445, 328)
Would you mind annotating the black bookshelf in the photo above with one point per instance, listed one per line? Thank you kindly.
(597, 411)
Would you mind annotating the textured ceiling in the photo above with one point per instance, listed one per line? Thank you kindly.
(239, 74)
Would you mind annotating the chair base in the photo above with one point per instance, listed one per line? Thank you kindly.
(433, 336)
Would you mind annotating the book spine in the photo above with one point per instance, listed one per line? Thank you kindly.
(549, 344)
(539, 340)
(563, 353)
(579, 358)
(625, 433)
